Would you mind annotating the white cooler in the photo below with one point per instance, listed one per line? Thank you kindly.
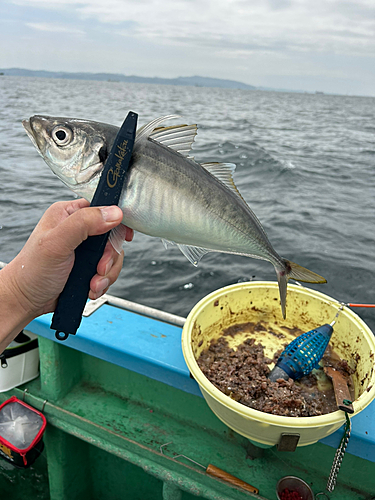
(19, 363)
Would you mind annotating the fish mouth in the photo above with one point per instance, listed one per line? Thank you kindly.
(31, 126)
(30, 132)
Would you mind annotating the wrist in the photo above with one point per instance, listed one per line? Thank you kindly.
(15, 310)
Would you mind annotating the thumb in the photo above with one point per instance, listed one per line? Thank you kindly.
(86, 222)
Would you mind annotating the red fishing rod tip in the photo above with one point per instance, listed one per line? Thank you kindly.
(361, 305)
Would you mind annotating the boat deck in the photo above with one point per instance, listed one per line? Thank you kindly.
(120, 389)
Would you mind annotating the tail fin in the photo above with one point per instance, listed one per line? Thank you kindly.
(292, 270)
(302, 274)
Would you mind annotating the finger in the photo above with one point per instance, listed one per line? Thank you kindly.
(100, 284)
(129, 234)
(107, 260)
(59, 211)
(75, 205)
(86, 222)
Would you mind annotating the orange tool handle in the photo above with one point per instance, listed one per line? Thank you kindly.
(341, 389)
(220, 474)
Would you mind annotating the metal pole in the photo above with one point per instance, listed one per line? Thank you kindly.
(145, 310)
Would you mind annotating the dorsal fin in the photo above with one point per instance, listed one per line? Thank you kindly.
(147, 129)
(224, 172)
(180, 138)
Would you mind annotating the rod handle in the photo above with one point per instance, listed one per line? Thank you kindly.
(214, 471)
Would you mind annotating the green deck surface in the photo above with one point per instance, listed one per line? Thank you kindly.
(105, 428)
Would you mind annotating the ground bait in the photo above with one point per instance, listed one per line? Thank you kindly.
(242, 375)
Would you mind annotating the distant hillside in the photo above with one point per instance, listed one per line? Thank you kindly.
(195, 81)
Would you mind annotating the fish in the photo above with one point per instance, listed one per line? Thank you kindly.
(166, 193)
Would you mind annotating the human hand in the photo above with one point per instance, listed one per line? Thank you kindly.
(36, 276)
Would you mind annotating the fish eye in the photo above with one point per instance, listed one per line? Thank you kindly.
(62, 135)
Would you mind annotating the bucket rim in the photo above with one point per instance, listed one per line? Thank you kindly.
(208, 388)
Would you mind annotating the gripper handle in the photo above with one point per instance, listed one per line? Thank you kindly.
(72, 300)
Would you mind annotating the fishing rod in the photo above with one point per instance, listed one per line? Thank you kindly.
(359, 305)
(72, 300)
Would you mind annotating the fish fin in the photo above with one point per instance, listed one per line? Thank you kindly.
(146, 130)
(117, 237)
(282, 279)
(297, 272)
(224, 172)
(166, 243)
(180, 138)
(300, 273)
(193, 254)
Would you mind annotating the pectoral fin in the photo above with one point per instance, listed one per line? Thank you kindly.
(117, 237)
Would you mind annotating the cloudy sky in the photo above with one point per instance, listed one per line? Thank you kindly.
(324, 45)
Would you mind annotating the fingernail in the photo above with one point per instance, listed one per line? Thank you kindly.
(102, 285)
(110, 214)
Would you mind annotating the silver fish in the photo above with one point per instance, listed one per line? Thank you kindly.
(167, 193)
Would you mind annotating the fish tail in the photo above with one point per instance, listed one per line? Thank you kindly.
(294, 271)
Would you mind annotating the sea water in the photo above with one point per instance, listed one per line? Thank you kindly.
(305, 165)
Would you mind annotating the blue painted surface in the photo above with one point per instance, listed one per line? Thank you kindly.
(144, 345)
(362, 438)
(153, 348)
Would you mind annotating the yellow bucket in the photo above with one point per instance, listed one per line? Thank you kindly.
(306, 309)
